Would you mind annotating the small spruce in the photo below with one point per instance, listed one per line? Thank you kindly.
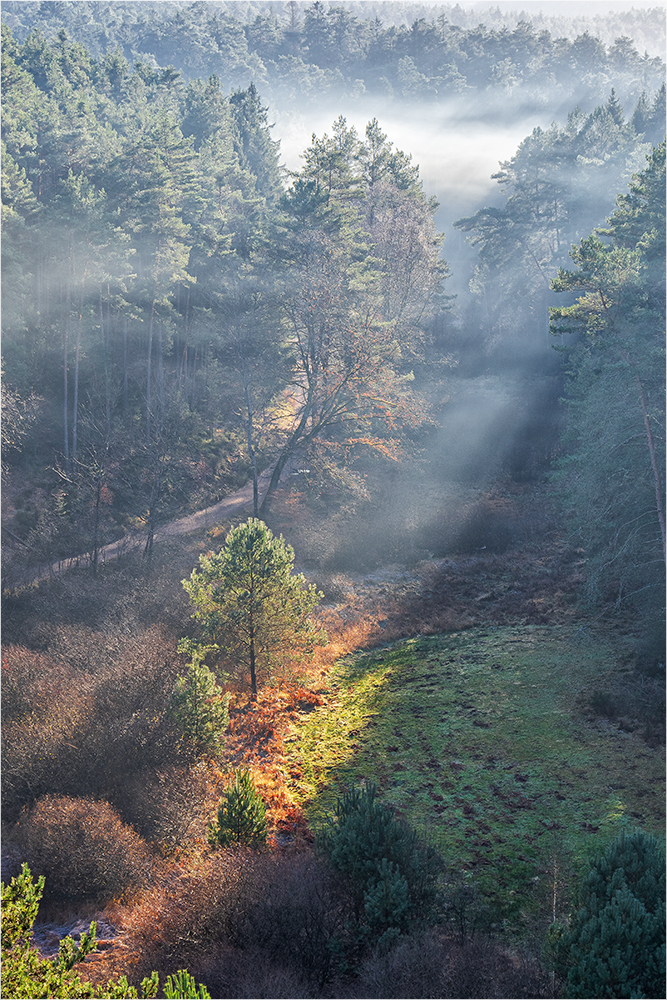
(615, 945)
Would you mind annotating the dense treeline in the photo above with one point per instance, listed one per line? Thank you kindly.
(613, 466)
(176, 311)
(559, 185)
(311, 51)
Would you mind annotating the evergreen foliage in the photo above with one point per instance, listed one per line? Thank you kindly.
(241, 815)
(615, 945)
(391, 874)
(27, 976)
(307, 52)
(612, 473)
(559, 185)
(250, 602)
(197, 702)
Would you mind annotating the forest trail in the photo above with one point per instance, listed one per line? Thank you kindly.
(201, 520)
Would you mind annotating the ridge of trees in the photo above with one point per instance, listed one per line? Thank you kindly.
(558, 186)
(307, 51)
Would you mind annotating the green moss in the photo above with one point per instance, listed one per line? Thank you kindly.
(475, 737)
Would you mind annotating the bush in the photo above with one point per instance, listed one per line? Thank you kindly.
(391, 874)
(197, 703)
(89, 730)
(431, 965)
(196, 910)
(241, 815)
(300, 921)
(615, 945)
(82, 847)
(25, 974)
(30, 682)
(169, 807)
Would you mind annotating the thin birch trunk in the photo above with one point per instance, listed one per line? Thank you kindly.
(65, 395)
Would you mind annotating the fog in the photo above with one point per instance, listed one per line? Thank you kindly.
(496, 397)
(456, 147)
(456, 154)
(457, 144)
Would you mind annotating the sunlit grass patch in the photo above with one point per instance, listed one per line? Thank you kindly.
(476, 738)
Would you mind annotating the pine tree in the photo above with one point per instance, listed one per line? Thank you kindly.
(197, 702)
(241, 815)
(614, 108)
(392, 875)
(615, 944)
(25, 974)
(257, 151)
(250, 602)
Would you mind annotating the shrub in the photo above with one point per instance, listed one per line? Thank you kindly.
(615, 945)
(82, 847)
(241, 815)
(433, 966)
(30, 682)
(414, 967)
(197, 703)
(89, 730)
(169, 806)
(300, 921)
(26, 975)
(392, 875)
(193, 909)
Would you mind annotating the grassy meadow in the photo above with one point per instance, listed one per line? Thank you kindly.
(482, 741)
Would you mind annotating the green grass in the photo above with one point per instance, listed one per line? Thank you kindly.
(477, 738)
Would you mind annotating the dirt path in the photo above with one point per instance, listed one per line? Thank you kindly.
(201, 520)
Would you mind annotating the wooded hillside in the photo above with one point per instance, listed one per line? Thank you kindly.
(424, 705)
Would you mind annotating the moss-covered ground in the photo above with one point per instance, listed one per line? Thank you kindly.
(480, 739)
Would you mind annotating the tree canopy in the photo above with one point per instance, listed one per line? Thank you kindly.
(252, 604)
(614, 945)
(612, 472)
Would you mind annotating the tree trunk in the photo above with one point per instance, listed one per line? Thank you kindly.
(253, 674)
(654, 466)
(96, 526)
(251, 450)
(160, 379)
(651, 449)
(104, 329)
(75, 413)
(285, 456)
(125, 374)
(148, 373)
(65, 397)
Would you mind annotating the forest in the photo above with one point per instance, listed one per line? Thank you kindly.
(333, 563)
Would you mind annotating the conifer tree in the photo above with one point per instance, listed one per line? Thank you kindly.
(197, 702)
(250, 602)
(615, 945)
(241, 815)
